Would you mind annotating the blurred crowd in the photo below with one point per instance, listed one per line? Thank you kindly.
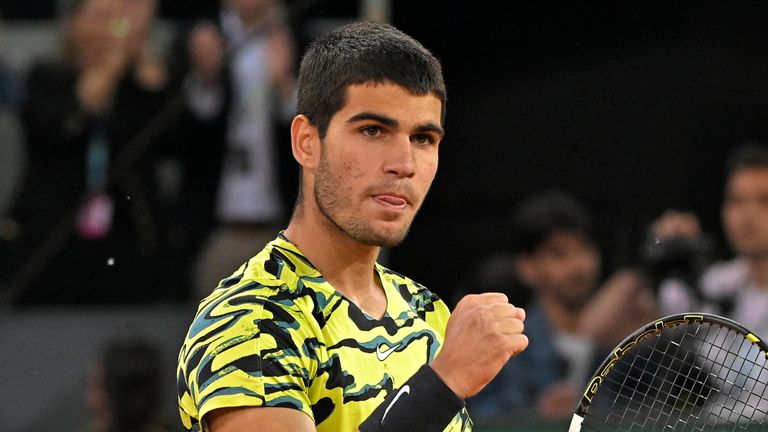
(577, 313)
(147, 174)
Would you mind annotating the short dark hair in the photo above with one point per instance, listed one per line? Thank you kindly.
(132, 381)
(539, 217)
(359, 53)
(748, 155)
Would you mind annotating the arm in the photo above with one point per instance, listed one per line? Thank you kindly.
(204, 81)
(281, 69)
(263, 419)
(238, 369)
(483, 332)
(53, 119)
(622, 304)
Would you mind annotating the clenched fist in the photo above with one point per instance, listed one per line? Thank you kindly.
(483, 333)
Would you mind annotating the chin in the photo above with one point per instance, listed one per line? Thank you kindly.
(386, 238)
(754, 252)
(388, 241)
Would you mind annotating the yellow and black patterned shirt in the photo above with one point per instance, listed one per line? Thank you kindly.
(277, 334)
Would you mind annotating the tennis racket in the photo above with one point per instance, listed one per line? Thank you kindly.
(687, 372)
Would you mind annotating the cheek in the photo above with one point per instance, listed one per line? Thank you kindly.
(352, 169)
(428, 169)
(349, 177)
(592, 263)
(736, 217)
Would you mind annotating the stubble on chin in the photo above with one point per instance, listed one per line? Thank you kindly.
(338, 213)
(359, 229)
(336, 216)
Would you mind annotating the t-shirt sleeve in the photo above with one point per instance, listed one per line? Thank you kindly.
(249, 350)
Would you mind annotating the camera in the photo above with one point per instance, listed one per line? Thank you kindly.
(680, 258)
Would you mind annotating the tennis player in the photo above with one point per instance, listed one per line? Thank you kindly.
(312, 333)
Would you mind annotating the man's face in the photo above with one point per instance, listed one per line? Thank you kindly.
(378, 160)
(745, 211)
(565, 267)
(251, 11)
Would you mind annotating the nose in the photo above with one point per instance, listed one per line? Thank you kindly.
(400, 158)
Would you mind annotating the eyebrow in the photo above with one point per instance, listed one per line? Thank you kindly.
(431, 127)
(393, 123)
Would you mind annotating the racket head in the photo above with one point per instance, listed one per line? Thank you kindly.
(684, 372)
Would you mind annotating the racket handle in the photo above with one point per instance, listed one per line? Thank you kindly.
(576, 423)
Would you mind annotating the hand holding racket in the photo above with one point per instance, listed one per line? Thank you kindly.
(687, 372)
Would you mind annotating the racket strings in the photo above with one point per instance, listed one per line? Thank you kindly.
(636, 392)
(655, 385)
(737, 368)
(685, 378)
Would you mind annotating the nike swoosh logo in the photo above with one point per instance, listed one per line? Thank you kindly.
(404, 390)
(382, 355)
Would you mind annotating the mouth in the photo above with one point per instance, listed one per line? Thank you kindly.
(392, 200)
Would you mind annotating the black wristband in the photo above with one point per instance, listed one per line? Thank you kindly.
(423, 403)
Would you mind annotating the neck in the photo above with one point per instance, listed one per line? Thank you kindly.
(758, 270)
(561, 317)
(345, 263)
(257, 21)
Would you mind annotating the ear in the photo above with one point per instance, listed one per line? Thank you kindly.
(305, 142)
(524, 267)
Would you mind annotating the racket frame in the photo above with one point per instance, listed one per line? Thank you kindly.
(653, 327)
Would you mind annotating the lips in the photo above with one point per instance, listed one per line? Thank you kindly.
(392, 200)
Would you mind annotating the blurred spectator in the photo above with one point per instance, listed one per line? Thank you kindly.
(123, 389)
(86, 221)
(11, 81)
(11, 160)
(737, 288)
(570, 322)
(242, 66)
(10, 85)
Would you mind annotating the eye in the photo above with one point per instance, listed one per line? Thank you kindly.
(424, 139)
(734, 200)
(372, 131)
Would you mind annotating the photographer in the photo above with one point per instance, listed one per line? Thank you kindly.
(737, 288)
(574, 317)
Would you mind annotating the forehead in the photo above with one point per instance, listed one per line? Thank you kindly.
(393, 100)
(749, 179)
(565, 240)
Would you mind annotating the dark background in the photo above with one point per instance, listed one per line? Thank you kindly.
(630, 105)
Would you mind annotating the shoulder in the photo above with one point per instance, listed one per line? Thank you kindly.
(409, 288)
(276, 270)
(419, 297)
(724, 278)
(268, 287)
(254, 340)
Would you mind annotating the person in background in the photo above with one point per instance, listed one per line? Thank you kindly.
(571, 320)
(11, 77)
(123, 388)
(12, 163)
(241, 69)
(736, 288)
(87, 217)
